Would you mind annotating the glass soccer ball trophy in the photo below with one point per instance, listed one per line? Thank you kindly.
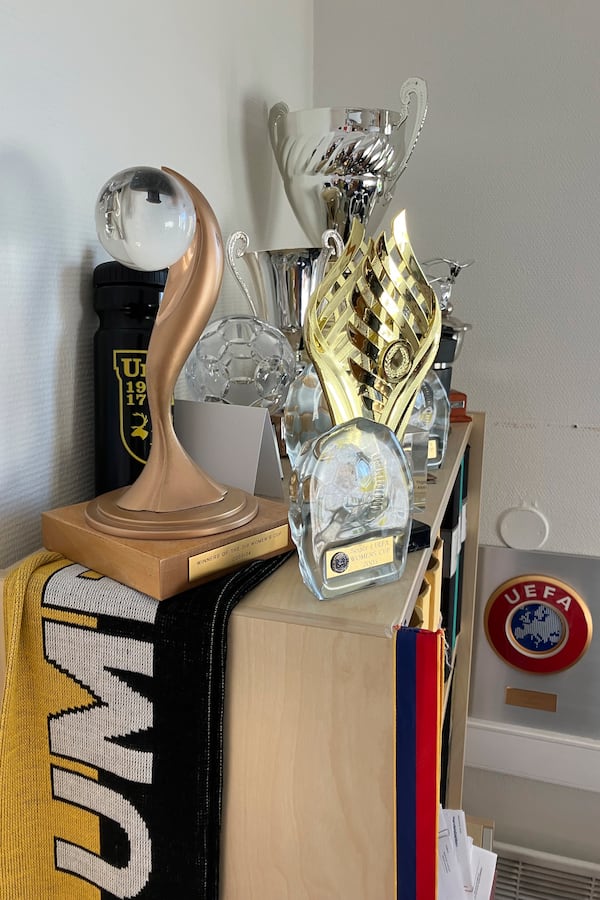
(241, 360)
(151, 219)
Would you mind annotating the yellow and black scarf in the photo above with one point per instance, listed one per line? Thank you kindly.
(111, 741)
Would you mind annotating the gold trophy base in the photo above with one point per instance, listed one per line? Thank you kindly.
(162, 568)
(236, 508)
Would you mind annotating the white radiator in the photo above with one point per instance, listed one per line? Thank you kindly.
(523, 874)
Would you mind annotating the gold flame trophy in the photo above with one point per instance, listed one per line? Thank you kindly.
(174, 525)
(372, 330)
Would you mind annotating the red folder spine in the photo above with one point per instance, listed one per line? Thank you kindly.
(418, 713)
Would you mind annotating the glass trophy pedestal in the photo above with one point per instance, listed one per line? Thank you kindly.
(432, 413)
(415, 443)
(351, 501)
(306, 416)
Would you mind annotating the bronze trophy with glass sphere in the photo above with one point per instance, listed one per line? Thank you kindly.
(174, 525)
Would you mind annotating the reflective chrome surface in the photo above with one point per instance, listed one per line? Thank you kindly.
(342, 163)
(442, 285)
(282, 281)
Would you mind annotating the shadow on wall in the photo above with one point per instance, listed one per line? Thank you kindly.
(38, 365)
(260, 170)
(74, 384)
(29, 239)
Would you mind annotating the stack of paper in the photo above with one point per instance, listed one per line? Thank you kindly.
(464, 870)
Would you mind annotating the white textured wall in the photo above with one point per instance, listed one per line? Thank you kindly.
(507, 170)
(89, 89)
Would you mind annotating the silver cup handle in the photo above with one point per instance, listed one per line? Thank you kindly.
(331, 240)
(333, 246)
(237, 244)
(417, 88)
(277, 112)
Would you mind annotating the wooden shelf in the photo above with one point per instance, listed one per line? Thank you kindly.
(309, 765)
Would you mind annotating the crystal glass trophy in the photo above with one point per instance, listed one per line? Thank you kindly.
(431, 412)
(371, 331)
(415, 444)
(241, 360)
(353, 533)
(338, 164)
(306, 414)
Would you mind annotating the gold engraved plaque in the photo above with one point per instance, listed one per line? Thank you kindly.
(432, 448)
(531, 699)
(237, 552)
(361, 556)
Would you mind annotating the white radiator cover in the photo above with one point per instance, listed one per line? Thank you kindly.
(525, 874)
(532, 753)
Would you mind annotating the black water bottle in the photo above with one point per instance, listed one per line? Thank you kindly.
(126, 302)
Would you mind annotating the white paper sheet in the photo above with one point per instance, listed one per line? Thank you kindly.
(450, 886)
(235, 445)
(483, 863)
(465, 872)
(456, 823)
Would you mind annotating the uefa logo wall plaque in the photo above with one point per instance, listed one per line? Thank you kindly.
(538, 624)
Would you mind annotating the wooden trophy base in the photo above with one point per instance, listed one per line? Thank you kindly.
(163, 568)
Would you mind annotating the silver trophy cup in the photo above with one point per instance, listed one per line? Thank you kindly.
(281, 280)
(338, 164)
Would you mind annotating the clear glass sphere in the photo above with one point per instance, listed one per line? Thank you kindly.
(145, 218)
(241, 360)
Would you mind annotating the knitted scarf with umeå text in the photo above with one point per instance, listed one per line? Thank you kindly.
(111, 735)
